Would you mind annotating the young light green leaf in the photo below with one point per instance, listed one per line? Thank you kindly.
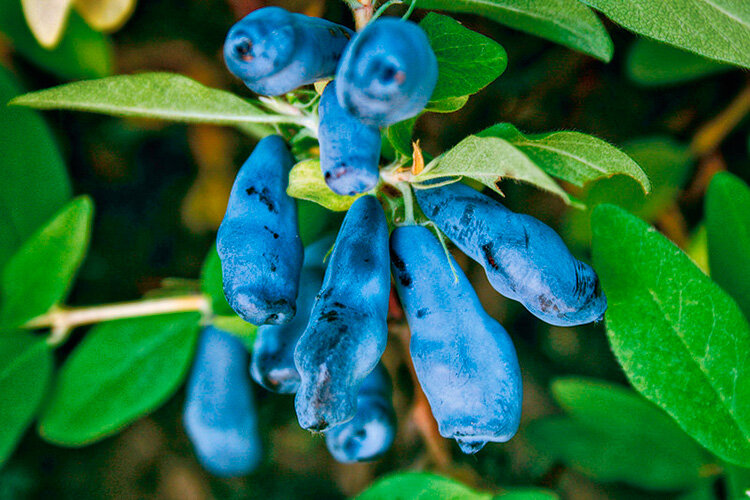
(35, 183)
(681, 340)
(306, 182)
(421, 485)
(121, 371)
(25, 371)
(619, 436)
(82, 52)
(728, 230)
(654, 64)
(212, 283)
(164, 96)
(567, 22)
(106, 15)
(236, 326)
(47, 19)
(572, 156)
(490, 160)
(40, 273)
(448, 105)
(467, 61)
(715, 29)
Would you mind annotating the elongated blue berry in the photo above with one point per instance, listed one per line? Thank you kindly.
(387, 73)
(220, 417)
(347, 331)
(258, 241)
(272, 363)
(525, 260)
(464, 359)
(274, 51)
(349, 149)
(371, 432)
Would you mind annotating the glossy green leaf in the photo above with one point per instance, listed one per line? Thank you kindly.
(212, 284)
(728, 229)
(655, 64)
(164, 96)
(121, 371)
(613, 434)
(490, 160)
(681, 340)
(306, 182)
(572, 156)
(717, 29)
(82, 52)
(34, 180)
(399, 135)
(25, 371)
(41, 272)
(421, 485)
(467, 61)
(567, 22)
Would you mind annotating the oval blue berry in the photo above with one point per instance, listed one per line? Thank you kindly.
(258, 241)
(347, 331)
(525, 260)
(349, 149)
(387, 73)
(274, 51)
(465, 362)
(372, 430)
(220, 417)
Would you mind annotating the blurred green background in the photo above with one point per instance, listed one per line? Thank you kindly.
(160, 191)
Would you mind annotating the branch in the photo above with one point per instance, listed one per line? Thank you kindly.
(710, 135)
(63, 320)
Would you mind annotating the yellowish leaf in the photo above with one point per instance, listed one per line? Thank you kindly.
(46, 19)
(417, 158)
(105, 15)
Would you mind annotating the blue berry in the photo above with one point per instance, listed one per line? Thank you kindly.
(349, 150)
(464, 359)
(272, 363)
(220, 417)
(525, 260)
(258, 241)
(347, 331)
(387, 73)
(371, 432)
(274, 51)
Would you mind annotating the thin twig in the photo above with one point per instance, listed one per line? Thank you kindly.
(62, 321)
(362, 13)
(710, 135)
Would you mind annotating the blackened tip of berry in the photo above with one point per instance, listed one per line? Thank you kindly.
(243, 49)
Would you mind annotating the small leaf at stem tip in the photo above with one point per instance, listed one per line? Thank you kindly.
(306, 182)
(417, 159)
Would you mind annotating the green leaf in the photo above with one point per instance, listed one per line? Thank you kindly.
(728, 229)
(236, 326)
(164, 96)
(572, 156)
(615, 435)
(467, 61)
(567, 22)
(527, 494)
(654, 64)
(421, 485)
(489, 160)
(212, 283)
(681, 340)
(82, 53)
(738, 482)
(714, 29)
(121, 371)
(25, 372)
(448, 105)
(34, 180)
(400, 134)
(306, 182)
(40, 274)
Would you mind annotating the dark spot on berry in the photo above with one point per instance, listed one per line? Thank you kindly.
(274, 234)
(421, 313)
(264, 196)
(329, 316)
(273, 268)
(345, 33)
(489, 257)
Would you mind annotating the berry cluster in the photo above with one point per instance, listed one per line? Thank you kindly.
(323, 322)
